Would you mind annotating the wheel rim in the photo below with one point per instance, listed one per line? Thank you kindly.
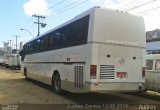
(57, 83)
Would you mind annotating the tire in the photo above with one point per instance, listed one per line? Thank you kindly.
(56, 82)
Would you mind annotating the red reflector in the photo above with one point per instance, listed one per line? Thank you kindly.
(121, 74)
(93, 71)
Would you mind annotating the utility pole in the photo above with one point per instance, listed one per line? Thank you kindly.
(39, 23)
(10, 43)
(10, 46)
(16, 36)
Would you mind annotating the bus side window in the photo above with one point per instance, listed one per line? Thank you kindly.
(36, 45)
(51, 41)
(57, 39)
(157, 66)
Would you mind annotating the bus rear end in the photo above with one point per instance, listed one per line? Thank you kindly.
(118, 52)
(120, 68)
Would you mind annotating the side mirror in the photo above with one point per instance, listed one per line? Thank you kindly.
(21, 53)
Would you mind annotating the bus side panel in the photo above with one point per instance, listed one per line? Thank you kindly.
(72, 72)
(37, 69)
(67, 62)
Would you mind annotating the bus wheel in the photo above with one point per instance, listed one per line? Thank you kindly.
(57, 83)
(25, 74)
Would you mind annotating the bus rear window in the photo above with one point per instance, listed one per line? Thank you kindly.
(149, 64)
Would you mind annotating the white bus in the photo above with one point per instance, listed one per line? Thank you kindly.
(6, 60)
(152, 76)
(14, 61)
(1, 59)
(98, 50)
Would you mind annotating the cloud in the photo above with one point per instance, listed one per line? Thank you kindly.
(36, 7)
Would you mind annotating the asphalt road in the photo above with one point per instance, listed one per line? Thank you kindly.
(15, 91)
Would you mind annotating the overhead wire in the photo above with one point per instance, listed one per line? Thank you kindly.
(148, 10)
(68, 7)
(141, 5)
(112, 2)
(60, 2)
(28, 23)
(130, 4)
(75, 5)
(153, 13)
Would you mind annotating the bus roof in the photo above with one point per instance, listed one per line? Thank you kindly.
(78, 17)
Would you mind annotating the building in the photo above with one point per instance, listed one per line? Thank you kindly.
(1, 51)
(7, 48)
(153, 35)
(153, 41)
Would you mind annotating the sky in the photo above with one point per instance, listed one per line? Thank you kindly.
(17, 14)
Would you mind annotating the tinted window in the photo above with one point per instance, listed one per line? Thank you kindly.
(25, 48)
(30, 47)
(83, 30)
(72, 34)
(51, 40)
(57, 39)
(37, 45)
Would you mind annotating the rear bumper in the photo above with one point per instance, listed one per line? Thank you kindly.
(117, 87)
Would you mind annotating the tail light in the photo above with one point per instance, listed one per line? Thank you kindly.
(93, 71)
(143, 72)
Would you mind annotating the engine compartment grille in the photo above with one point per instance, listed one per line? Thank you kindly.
(107, 71)
(78, 76)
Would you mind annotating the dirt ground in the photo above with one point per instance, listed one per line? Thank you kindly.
(14, 89)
